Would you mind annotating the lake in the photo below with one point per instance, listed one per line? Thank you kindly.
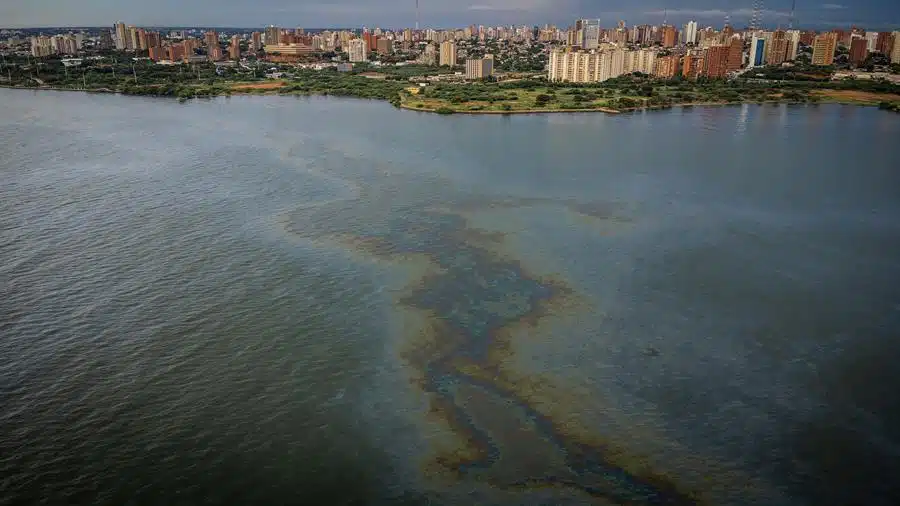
(278, 300)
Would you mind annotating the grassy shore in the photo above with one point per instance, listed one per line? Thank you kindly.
(502, 98)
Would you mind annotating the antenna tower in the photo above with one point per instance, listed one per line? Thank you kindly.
(417, 15)
(756, 20)
(793, 9)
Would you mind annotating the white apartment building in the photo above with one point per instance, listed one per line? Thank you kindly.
(586, 67)
(793, 37)
(690, 33)
(643, 61)
(357, 50)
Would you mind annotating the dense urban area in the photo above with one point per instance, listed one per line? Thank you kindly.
(476, 69)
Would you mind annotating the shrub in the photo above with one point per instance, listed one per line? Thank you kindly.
(444, 110)
(542, 99)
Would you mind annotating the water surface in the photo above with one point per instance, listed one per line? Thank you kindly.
(276, 300)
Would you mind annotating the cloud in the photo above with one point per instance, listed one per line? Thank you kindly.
(510, 5)
(716, 13)
(833, 7)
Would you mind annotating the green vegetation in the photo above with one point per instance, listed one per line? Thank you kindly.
(119, 73)
(890, 106)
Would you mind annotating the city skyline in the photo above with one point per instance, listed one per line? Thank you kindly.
(873, 14)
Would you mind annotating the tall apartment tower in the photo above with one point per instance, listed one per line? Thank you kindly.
(793, 44)
(895, 51)
(448, 53)
(757, 51)
(480, 68)
(735, 59)
(778, 48)
(256, 41)
(357, 50)
(590, 33)
(884, 43)
(823, 48)
(858, 51)
(234, 50)
(669, 36)
(211, 38)
(121, 35)
(273, 35)
(715, 64)
(690, 33)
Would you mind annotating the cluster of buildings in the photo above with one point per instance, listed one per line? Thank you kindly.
(583, 52)
(70, 44)
(593, 54)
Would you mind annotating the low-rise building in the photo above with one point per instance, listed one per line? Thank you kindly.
(287, 52)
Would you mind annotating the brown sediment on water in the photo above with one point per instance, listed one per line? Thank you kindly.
(462, 316)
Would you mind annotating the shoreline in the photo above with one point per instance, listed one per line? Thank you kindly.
(605, 110)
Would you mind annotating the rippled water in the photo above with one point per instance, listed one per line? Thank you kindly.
(268, 300)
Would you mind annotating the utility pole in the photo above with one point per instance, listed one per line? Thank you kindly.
(84, 78)
(135, 73)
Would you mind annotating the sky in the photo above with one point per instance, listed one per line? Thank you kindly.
(873, 14)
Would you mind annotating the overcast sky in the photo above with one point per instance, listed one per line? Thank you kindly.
(875, 14)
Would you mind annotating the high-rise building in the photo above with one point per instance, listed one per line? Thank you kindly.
(824, 46)
(669, 36)
(735, 58)
(121, 35)
(273, 35)
(480, 68)
(384, 46)
(693, 65)
(106, 40)
(448, 53)
(41, 46)
(895, 51)
(777, 50)
(215, 53)
(152, 39)
(357, 50)
(211, 38)
(871, 41)
(884, 43)
(666, 67)
(793, 44)
(757, 51)
(141, 36)
(586, 67)
(256, 42)
(176, 52)
(234, 50)
(590, 33)
(191, 46)
(429, 55)
(858, 51)
(156, 53)
(642, 60)
(715, 62)
(131, 39)
(689, 33)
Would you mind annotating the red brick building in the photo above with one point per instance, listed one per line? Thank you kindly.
(858, 51)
